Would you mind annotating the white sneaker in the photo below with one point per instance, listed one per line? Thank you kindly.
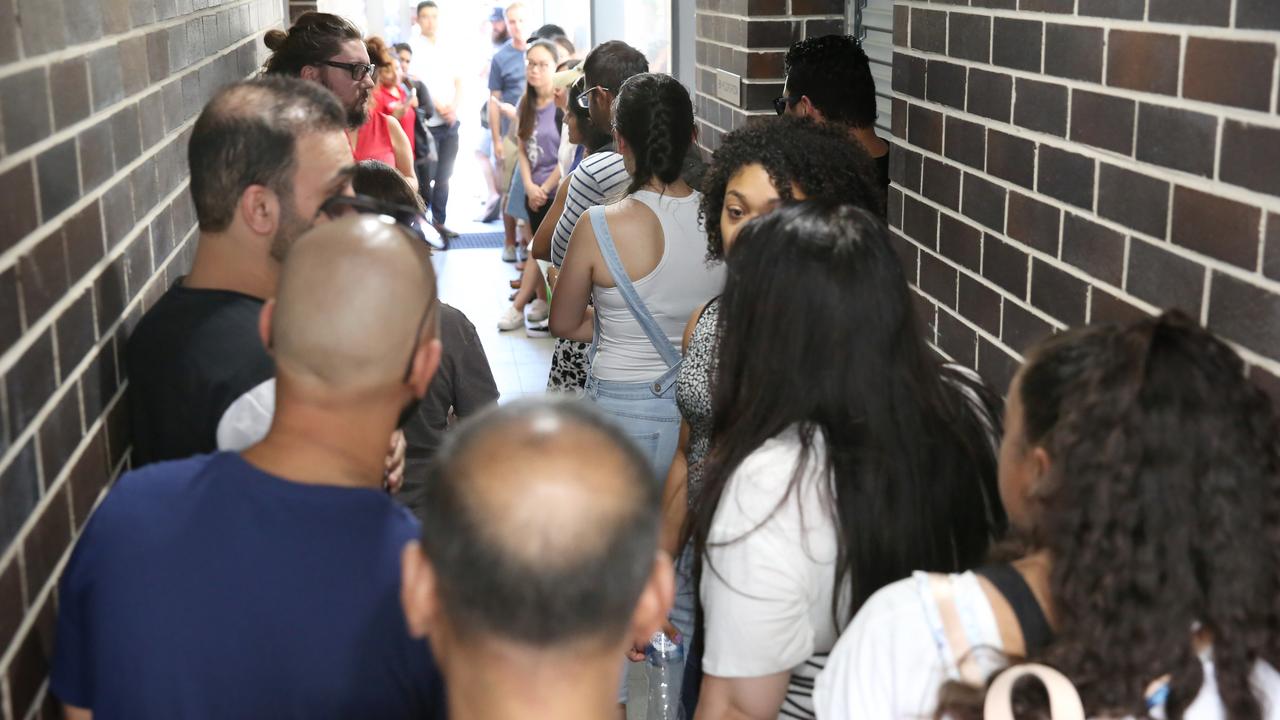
(511, 319)
(509, 253)
(522, 253)
(538, 311)
(537, 329)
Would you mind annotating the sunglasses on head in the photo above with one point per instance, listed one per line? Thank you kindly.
(584, 100)
(406, 217)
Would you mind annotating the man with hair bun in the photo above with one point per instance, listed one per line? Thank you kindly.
(265, 584)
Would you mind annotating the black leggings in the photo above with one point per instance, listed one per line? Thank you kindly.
(536, 216)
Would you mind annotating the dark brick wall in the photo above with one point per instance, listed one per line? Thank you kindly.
(749, 38)
(97, 98)
(1072, 161)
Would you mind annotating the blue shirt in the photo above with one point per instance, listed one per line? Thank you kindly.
(208, 588)
(506, 74)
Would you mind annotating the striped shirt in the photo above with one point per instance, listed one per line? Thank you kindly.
(599, 178)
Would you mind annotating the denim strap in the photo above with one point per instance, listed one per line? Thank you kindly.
(670, 355)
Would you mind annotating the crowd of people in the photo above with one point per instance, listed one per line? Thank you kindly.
(751, 448)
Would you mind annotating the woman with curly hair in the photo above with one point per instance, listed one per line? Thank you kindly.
(843, 455)
(1143, 471)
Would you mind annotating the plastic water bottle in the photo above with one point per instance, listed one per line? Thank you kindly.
(664, 669)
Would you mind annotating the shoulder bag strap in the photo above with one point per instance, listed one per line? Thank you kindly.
(670, 354)
(1036, 633)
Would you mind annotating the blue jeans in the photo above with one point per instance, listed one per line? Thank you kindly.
(651, 419)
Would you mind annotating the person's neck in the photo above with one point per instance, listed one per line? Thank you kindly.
(871, 142)
(677, 189)
(1036, 570)
(545, 96)
(344, 446)
(486, 684)
(519, 44)
(226, 262)
(430, 37)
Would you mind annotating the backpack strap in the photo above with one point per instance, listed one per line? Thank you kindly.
(1036, 633)
(953, 634)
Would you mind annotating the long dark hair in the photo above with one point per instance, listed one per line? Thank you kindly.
(654, 114)
(1161, 513)
(527, 112)
(818, 332)
(314, 38)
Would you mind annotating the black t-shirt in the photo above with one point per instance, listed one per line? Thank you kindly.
(882, 172)
(194, 353)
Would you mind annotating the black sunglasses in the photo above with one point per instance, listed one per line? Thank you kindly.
(404, 217)
(780, 103)
(584, 100)
(359, 71)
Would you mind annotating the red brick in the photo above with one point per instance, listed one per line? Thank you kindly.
(1108, 308)
(924, 128)
(20, 488)
(983, 201)
(1005, 265)
(945, 83)
(928, 30)
(1033, 223)
(48, 540)
(19, 214)
(957, 339)
(990, 94)
(1093, 248)
(1143, 61)
(1260, 14)
(969, 37)
(960, 242)
(1017, 43)
(1041, 106)
(1245, 313)
(1072, 51)
(941, 183)
(1199, 12)
(1133, 199)
(1164, 279)
(1011, 158)
(1066, 176)
(920, 222)
(1250, 156)
(24, 108)
(996, 366)
(1022, 328)
(938, 279)
(980, 304)
(1215, 226)
(966, 142)
(1229, 72)
(1058, 293)
(1103, 121)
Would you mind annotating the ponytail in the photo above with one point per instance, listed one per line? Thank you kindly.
(654, 114)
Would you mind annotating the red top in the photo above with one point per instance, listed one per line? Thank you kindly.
(374, 139)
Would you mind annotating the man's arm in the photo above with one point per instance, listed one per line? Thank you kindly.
(495, 122)
(71, 712)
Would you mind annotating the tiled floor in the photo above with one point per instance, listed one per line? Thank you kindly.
(475, 282)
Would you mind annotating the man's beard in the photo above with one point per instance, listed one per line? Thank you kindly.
(358, 113)
(291, 226)
(500, 37)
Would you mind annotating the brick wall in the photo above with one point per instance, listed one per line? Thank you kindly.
(1059, 162)
(97, 98)
(749, 38)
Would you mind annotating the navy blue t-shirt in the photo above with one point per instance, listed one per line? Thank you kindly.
(208, 588)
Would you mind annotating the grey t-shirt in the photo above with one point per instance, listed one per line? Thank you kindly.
(463, 385)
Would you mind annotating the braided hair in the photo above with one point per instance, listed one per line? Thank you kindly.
(654, 114)
(314, 38)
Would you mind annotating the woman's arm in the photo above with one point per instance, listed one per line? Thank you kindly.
(541, 248)
(571, 319)
(754, 698)
(675, 495)
(403, 152)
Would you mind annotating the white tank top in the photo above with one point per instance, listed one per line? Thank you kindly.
(682, 282)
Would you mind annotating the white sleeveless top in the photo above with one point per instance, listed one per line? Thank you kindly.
(682, 282)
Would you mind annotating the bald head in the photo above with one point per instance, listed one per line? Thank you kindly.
(544, 553)
(353, 294)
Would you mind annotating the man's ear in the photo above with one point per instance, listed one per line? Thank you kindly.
(655, 601)
(265, 319)
(259, 208)
(426, 360)
(805, 108)
(310, 72)
(418, 590)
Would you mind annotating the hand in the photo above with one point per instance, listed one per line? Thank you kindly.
(507, 109)
(394, 469)
(537, 196)
(552, 274)
(497, 149)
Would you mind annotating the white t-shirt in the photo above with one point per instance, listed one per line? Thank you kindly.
(894, 657)
(766, 591)
(434, 64)
(600, 178)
